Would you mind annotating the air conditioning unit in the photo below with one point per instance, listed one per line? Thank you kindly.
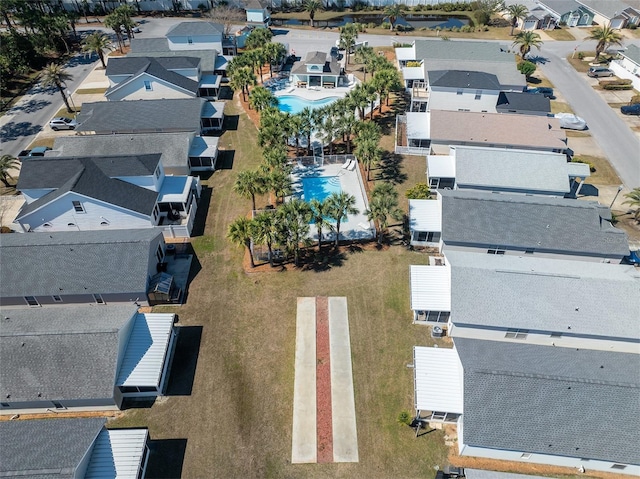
(437, 332)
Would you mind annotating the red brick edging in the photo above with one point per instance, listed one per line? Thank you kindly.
(323, 382)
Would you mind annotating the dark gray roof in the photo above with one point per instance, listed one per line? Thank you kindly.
(255, 5)
(79, 262)
(464, 79)
(316, 58)
(462, 50)
(560, 6)
(155, 69)
(94, 177)
(46, 448)
(147, 116)
(132, 65)
(547, 400)
(148, 45)
(557, 225)
(207, 57)
(184, 29)
(62, 353)
(523, 101)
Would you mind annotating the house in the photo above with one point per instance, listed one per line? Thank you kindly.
(523, 103)
(569, 12)
(615, 13)
(533, 404)
(536, 300)
(72, 448)
(627, 66)
(257, 13)
(105, 193)
(434, 131)
(200, 36)
(318, 70)
(506, 171)
(83, 357)
(180, 153)
(90, 267)
(537, 18)
(150, 116)
(506, 224)
(211, 62)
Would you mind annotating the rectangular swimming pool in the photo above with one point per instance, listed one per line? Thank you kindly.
(320, 187)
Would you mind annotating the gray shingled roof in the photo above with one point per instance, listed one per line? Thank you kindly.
(463, 50)
(316, 58)
(608, 8)
(155, 69)
(132, 65)
(155, 116)
(574, 298)
(207, 57)
(505, 72)
(184, 29)
(173, 147)
(547, 400)
(46, 448)
(94, 177)
(63, 353)
(148, 45)
(463, 79)
(555, 225)
(79, 262)
(633, 53)
(523, 102)
(560, 6)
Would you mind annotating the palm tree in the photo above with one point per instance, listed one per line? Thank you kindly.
(330, 127)
(56, 75)
(385, 81)
(97, 42)
(280, 183)
(381, 209)
(526, 40)
(294, 218)
(605, 36)
(348, 36)
(7, 163)
(306, 125)
(347, 123)
(393, 11)
(633, 201)
(319, 213)
(340, 205)
(369, 154)
(363, 55)
(240, 79)
(114, 21)
(516, 12)
(262, 98)
(312, 6)
(359, 98)
(265, 231)
(275, 157)
(275, 53)
(240, 232)
(249, 184)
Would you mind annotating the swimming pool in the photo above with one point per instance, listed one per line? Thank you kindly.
(294, 104)
(320, 187)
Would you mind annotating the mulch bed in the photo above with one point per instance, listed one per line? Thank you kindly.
(323, 382)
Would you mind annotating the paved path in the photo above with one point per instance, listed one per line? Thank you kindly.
(312, 408)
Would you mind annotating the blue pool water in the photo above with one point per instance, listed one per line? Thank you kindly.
(294, 104)
(319, 187)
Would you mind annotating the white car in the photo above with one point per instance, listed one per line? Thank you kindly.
(62, 123)
(571, 121)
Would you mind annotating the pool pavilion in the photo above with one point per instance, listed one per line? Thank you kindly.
(318, 70)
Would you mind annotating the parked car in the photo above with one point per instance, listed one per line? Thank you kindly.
(543, 90)
(37, 151)
(62, 123)
(633, 258)
(630, 109)
(597, 72)
(571, 121)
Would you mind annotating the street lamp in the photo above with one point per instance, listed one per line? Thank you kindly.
(75, 112)
(616, 196)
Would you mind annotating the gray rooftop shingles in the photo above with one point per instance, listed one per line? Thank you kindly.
(542, 294)
(633, 53)
(463, 79)
(463, 50)
(547, 400)
(156, 70)
(183, 29)
(506, 73)
(522, 101)
(168, 115)
(556, 225)
(131, 65)
(46, 448)
(79, 262)
(207, 57)
(148, 45)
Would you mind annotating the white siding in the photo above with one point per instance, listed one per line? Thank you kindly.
(430, 288)
(159, 90)
(192, 73)
(448, 99)
(438, 380)
(256, 16)
(203, 42)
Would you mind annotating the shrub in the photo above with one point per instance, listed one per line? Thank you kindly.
(577, 159)
(372, 25)
(466, 29)
(634, 99)
(620, 84)
(413, 64)
(482, 17)
(580, 55)
(419, 192)
(385, 25)
(405, 418)
(527, 68)
(632, 26)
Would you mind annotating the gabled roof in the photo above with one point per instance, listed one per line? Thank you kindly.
(542, 294)
(555, 225)
(544, 399)
(560, 7)
(506, 73)
(93, 177)
(208, 58)
(79, 262)
(255, 5)
(609, 8)
(63, 353)
(46, 448)
(148, 116)
(155, 70)
(131, 65)
(522, 101)
(632, 53)
(316, 58)
(184, 29)
(463, 79)
(148, 45)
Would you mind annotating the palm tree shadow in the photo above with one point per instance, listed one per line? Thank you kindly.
(390, 169)
(323, 261)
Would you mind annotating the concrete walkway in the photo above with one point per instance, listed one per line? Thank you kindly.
(304, 448)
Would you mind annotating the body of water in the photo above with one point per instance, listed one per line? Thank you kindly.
(415, 21)
(320, 187)
(294, 104)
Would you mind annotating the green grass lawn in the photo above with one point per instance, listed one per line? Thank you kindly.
(237, 420)
(90, 91)
(560, 34)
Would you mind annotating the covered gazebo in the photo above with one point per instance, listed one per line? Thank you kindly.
(317, 71)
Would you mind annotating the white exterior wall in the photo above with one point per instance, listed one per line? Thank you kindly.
(199, 42)
(192, 73)
(572, 462)
(159, 90)
(115, 79)
(456, 330)
(33, 194)
(628, 70)
(61, 212)
(448, 99)
(257, 16)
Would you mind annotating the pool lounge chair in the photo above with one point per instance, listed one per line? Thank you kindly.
(353, 165)
(347, 163)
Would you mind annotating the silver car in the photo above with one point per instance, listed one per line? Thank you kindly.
(596, 72)
(62, 123)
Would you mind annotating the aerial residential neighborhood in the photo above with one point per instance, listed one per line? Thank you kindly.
(320, 239)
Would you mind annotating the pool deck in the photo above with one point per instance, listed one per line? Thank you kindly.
(357, 227)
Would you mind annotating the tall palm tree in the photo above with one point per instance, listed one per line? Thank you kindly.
(340, 205)
(384, 82)
(262, 98)
(56, 75)
(363, 55)
(275, 158)
(369, 154)
(359, 98)
(319, 213)
(275, 52)
(240, 232)
(249, 184)
(312, 6)
(526, 40)
(240, 79)
(382, 208)
(605, 36)
(347, 123)
(393, 11)
(330, 128)
(7, 163)
(97, 43)
(265, 231)
(516, 12)
(294, 218)
(114, 22)
(634, 201)
(348, 36)
(306, 125)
